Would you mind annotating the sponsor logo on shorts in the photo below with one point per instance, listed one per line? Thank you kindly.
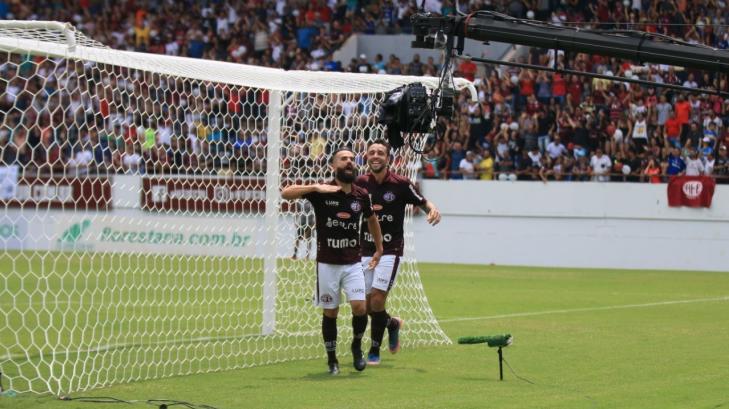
(331, 203)
(326, 298)
(356, 207)
(377, 207)
(344, 215)
(388, 196)
(358, 290)
(382, 280)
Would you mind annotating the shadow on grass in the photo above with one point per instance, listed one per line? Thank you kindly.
(323, 376)
(484, 379)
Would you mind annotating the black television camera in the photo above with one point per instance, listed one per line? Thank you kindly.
(411, 109)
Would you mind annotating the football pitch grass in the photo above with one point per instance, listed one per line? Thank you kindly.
(582, 339)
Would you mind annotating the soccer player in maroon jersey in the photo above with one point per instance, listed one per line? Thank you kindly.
(339, 205)
(390, 193)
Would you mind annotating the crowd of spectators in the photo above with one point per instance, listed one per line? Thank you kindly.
(537, 125)
(526, 125)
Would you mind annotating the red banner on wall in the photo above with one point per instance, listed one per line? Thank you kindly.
(691, 191)
(82, 193)
(204, 194)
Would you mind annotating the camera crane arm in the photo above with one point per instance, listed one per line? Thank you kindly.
(627, 44)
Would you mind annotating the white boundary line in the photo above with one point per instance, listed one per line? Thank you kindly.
(567, 311)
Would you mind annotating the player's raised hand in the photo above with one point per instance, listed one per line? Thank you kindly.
(375, 260)
(433, 216)
(325, 188)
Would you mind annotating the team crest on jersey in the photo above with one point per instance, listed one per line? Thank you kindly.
(326, 298)
(388, 196)
(356, 207)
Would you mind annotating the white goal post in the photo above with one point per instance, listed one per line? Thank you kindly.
(142, 227)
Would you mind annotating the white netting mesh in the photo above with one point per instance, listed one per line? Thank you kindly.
(142, 226)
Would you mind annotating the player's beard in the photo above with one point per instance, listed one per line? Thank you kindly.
(377, 168)
(346, 175)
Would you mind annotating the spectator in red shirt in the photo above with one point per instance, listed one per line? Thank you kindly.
(672, 131)
(683, 114)
(325, 13)
(616, 108)
(683, 110)
(652, 171)
(311, 15)
(559, 88)
(468, 70)
(526, 87)
(651, 100)
(575, 91)
(533, 106)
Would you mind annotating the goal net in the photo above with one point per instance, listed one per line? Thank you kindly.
(142, 228)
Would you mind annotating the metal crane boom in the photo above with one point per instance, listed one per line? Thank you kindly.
(632, 45)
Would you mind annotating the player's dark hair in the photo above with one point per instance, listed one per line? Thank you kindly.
(380, 142)
(336, 151)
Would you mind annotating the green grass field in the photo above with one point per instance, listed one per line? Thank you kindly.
(583, 338)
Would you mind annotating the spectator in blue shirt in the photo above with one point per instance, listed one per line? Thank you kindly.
(724, 43)
(305, 37)
(676, 165)
(707, 147)
(457, 154)
(333, 66)
(379, 64)
(196, 48)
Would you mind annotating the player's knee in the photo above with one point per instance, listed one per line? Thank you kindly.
(331, 313)
(359, 308)
(377, 300)
(377, 306)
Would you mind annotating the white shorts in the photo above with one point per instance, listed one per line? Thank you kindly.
(384, 274)
(331, 279)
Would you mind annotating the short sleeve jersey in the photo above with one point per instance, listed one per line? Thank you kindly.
(338, 217)
(389, 199)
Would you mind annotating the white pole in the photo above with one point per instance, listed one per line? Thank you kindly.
(273, 200)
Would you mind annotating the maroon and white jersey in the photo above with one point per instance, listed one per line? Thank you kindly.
(389, 199)
(338, 217)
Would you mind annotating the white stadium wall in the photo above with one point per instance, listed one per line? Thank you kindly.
(593, 225)
(562, 224)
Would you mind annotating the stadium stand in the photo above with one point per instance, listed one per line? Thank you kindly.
(526, 125)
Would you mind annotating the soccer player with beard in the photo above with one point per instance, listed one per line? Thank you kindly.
(338, 206)
(390, 193)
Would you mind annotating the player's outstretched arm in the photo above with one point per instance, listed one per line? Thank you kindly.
(296, 191)
(374, 228)
(433, 213)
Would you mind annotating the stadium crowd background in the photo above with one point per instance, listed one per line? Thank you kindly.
(525, 125)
